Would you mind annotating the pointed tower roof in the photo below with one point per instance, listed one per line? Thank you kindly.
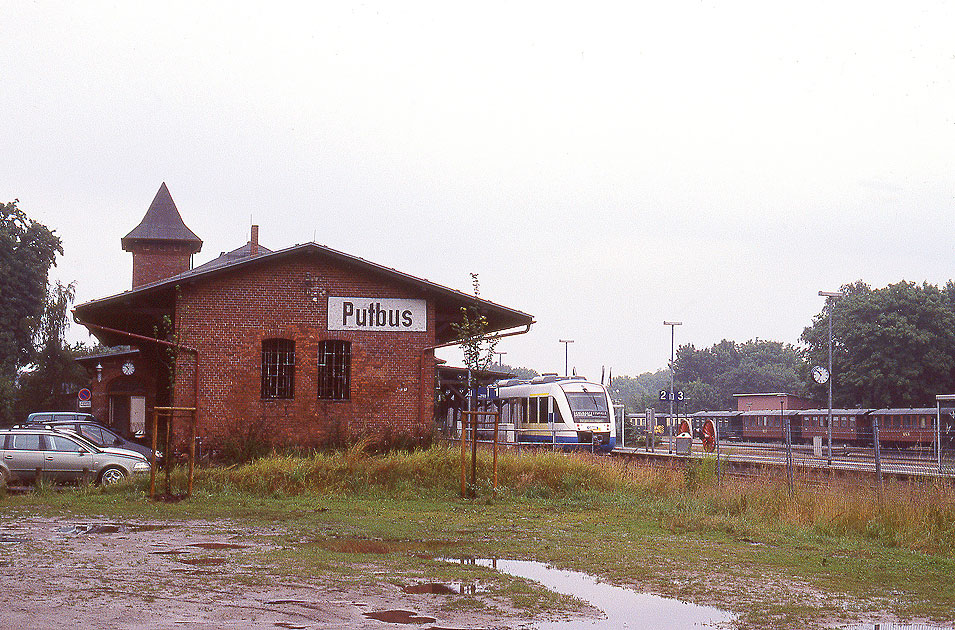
(162, 223)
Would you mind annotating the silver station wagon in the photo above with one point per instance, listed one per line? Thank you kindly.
(28, 453)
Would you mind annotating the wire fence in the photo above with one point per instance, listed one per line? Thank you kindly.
(880, 456)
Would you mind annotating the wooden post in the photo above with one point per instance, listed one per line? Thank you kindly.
(497, 424)
(152, 457)
(474, 441)
(464, 441)
(170, 424)
(192, 453)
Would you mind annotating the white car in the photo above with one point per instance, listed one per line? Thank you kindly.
(28, 453)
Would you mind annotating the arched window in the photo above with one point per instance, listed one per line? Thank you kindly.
(278, 369)
(334, 370)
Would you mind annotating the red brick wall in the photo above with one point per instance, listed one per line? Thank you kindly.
(112, 371)
(227, 317)
(756, 402)
(157, 261)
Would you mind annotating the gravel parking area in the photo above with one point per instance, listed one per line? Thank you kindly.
(141, 576)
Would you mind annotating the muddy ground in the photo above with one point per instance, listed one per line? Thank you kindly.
(59, 574)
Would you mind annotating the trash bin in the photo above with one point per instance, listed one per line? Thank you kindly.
(684, 444)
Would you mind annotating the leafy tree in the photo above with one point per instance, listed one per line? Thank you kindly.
(637, 393)
(518, 372)
(27, 251)
(892, 347)
(478, 349)
(708, 378)
(55, 376)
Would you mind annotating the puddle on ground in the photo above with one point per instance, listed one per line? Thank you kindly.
(355, 545)
(439, 588)
(90, 529)
(622, 607)
(219, 545)
(894, 626)
(109, 528)
(399, 616)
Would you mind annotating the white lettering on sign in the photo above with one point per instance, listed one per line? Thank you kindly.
(388, 314)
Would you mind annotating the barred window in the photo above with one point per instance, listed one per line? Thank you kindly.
(278, 368)
(334, 370)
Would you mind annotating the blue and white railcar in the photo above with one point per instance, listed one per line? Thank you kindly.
(570, 412)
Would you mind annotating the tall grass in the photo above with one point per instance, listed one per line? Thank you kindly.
(913, 515)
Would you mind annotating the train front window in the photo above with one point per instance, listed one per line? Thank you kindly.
(589, 406)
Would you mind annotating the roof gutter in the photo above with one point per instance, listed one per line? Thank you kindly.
(162, 342)
(126, 333)
(527, 329)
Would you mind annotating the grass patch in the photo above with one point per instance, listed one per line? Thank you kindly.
(832, 551)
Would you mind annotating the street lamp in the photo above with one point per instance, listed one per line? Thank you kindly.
(827, 295)
(566, 342)
(672, 326)
(500, 357)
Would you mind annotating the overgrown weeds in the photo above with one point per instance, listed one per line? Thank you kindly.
(918, 516)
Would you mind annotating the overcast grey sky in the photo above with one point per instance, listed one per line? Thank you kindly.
(602, 166)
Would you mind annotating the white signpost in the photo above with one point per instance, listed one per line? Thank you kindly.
(377, 314)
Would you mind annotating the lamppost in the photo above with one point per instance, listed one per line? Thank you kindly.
(500, 357)
(827, 295)
(672, 326)
(566, 342)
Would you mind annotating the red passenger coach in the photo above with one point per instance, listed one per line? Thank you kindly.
(849, 426)
(767, 425)
(906, 427)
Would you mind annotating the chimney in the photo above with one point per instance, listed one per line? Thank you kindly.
(254, 241)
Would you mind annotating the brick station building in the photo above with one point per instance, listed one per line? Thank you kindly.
(294, 344)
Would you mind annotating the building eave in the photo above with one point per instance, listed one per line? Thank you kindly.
(499, 317)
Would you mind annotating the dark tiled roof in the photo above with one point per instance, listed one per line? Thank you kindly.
(162, 223)
(227, 258)
(98, 311)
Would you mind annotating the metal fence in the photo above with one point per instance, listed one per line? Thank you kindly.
(880, 457)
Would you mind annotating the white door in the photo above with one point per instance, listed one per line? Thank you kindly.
(137, 415)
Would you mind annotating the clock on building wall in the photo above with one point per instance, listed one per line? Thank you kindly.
(129, 368)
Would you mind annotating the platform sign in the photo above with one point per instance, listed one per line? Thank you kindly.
(84, 396)
(377, 314)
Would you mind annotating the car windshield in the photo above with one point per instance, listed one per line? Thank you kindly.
(588, 405)
(85, 442)
(94, 434)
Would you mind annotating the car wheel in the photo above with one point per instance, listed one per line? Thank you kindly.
(4, 477)
(111, 475)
